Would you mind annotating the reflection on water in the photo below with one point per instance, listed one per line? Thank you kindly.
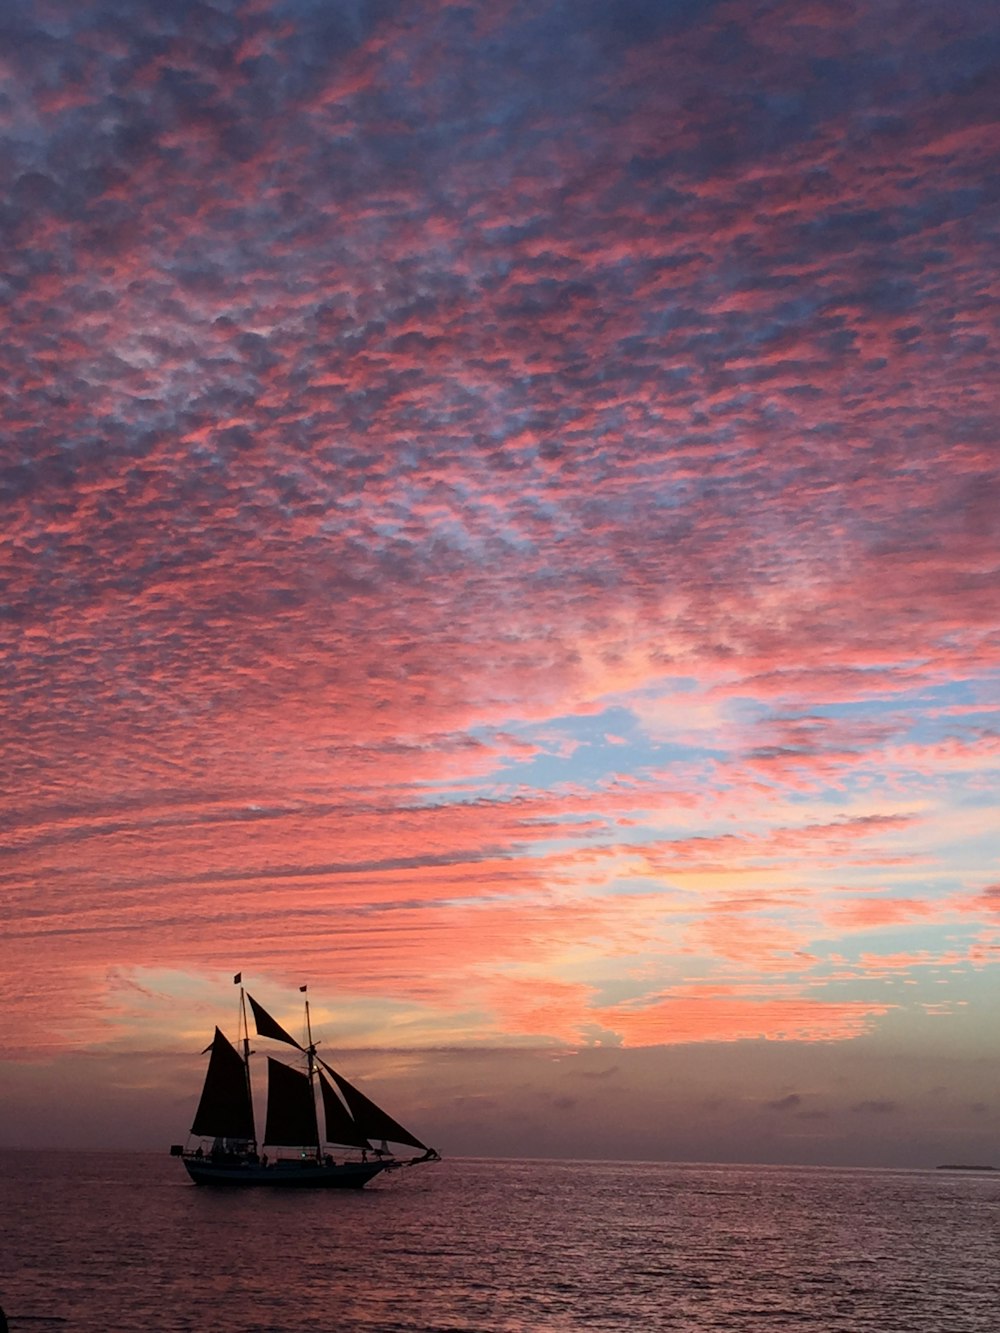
(126, 1243)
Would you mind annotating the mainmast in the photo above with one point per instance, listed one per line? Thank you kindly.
(238, 981)
(311, 1064)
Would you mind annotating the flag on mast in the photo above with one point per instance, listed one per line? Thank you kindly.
(303, 988)
(238, 978)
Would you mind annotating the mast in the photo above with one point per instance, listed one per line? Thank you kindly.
(311, 1061)
(238, 981)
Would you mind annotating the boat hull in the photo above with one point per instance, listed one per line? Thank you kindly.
(283, 1174)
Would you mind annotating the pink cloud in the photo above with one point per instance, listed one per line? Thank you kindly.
(362, 428)
(872, 913)
(673, 1021)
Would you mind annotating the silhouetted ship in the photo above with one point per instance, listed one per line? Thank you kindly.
(301, 1158)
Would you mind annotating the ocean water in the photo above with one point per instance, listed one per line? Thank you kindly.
(99, 1243)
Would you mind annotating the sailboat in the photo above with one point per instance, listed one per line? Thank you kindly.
(300, 1158)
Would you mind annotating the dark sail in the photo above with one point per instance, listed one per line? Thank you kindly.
(291, 1107)
(267, 1026)
(225, 1110)
(371, 1119)
(340, 1127)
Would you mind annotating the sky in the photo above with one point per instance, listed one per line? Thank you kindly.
(500, 525)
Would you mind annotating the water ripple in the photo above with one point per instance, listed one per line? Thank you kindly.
(116, 1243)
